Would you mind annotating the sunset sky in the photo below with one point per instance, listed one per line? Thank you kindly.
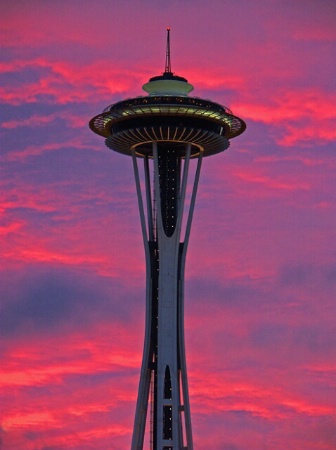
(261, 267)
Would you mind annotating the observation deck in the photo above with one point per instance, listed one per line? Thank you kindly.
(178, 119)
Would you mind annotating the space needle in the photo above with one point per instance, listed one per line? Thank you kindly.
(164, 130)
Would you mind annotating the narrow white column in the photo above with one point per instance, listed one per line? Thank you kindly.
(145, 375)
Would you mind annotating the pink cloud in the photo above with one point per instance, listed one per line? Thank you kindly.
(72, 357)
(35, 150)
(42, 120)
(305, 116)
(270, 183)
(65, 82)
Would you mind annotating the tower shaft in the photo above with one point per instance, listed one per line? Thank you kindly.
(164, 365)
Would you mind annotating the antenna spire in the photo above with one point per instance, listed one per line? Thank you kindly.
(168, 65)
